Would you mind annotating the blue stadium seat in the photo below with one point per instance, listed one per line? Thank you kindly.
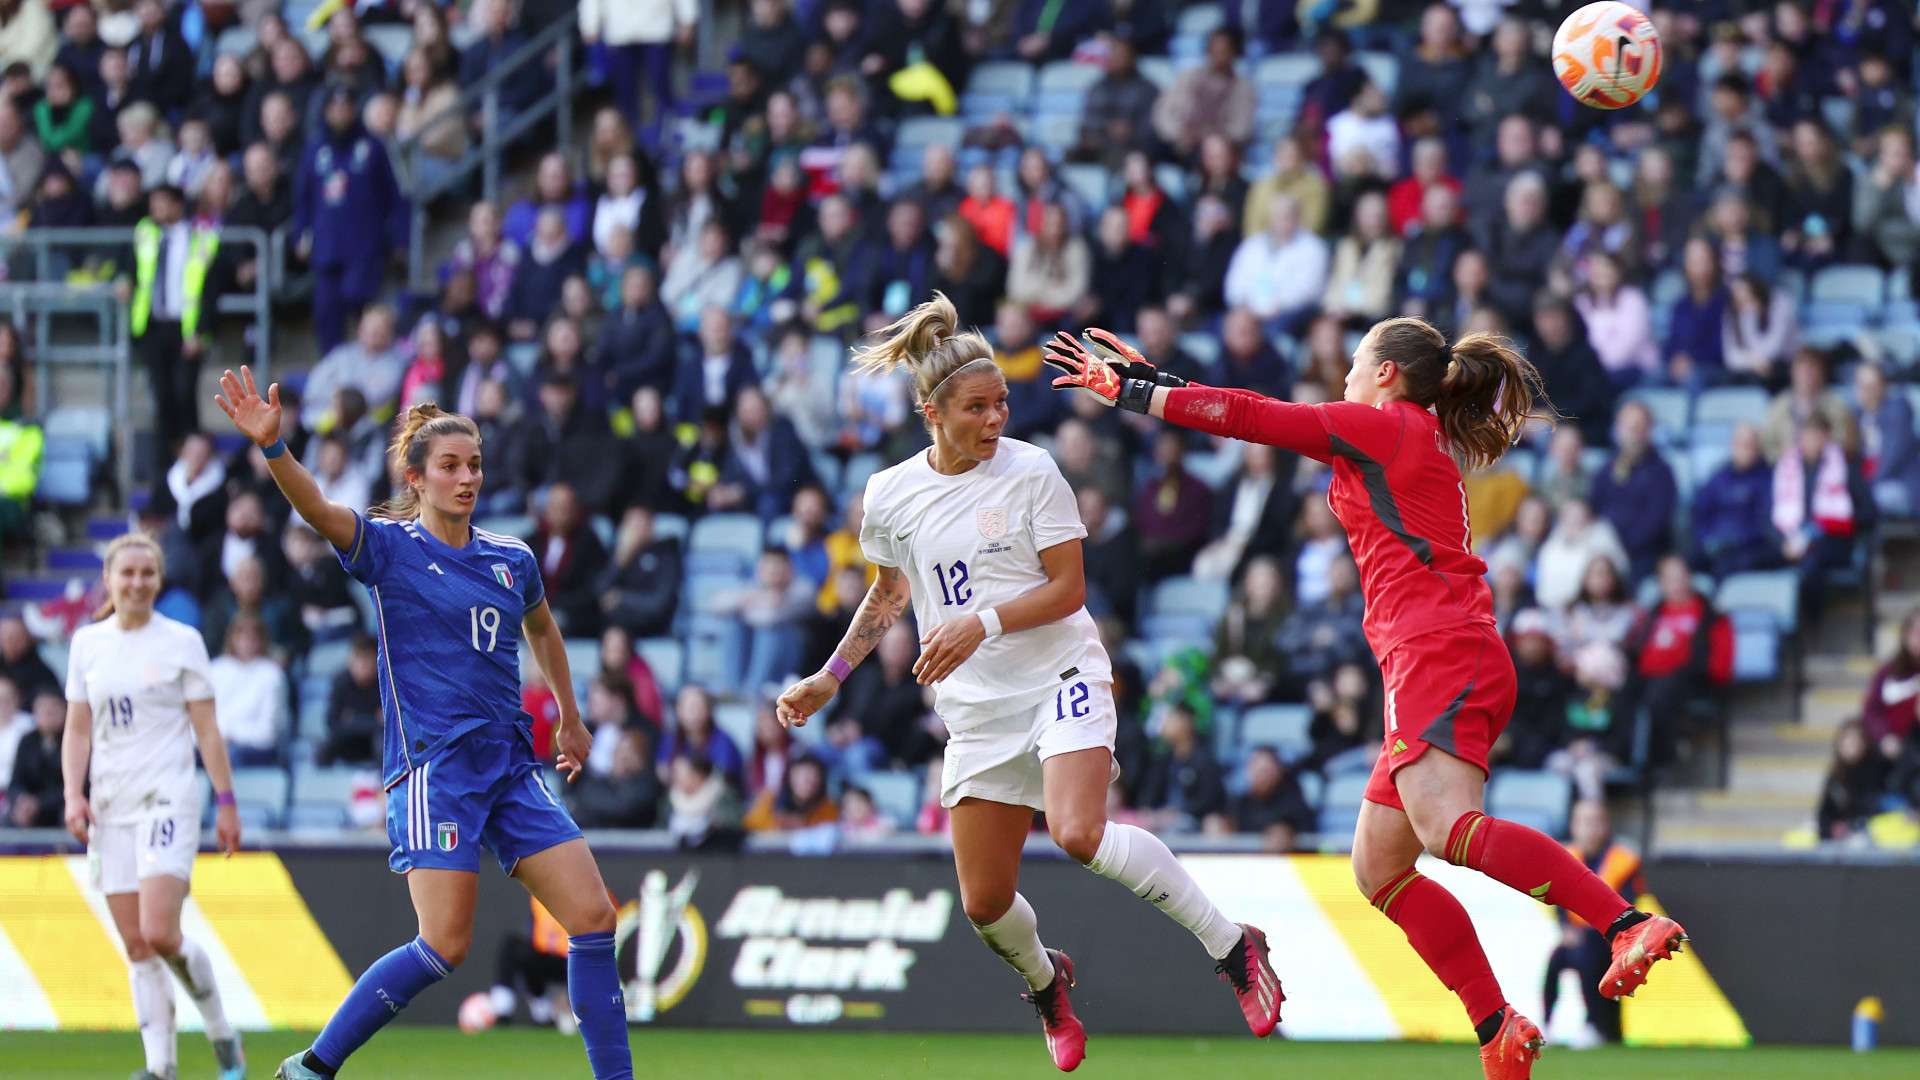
(716, 648)
(1173, 181)
(1729, 405)
(1057, 131)
(1671, 408)
(1668, 288)
(1184, 595)
(1522, 462)
(1158, 70)
(316, 817)
(1283, 727)
(706, 593)
(90, 424)
(670, 526)
(262, 789)
(1007, 78)
(1200, 20)
(1704, 459)
(1775, 593)
(917, 132)
(66, 472)
(1340, 806)
(1295, 69)
(1382, 68)
(725, 543)
(1537, 799)
(736, 719)
(667, 657)
(327, 659)
(896, 794)
(1863, 287)
(1313, 788)
(328, 786)
(1066, 76)
(1177, 626)
(1092, 183)
(859, 468)
(1756, 646)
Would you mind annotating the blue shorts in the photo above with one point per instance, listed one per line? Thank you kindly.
(485, 790)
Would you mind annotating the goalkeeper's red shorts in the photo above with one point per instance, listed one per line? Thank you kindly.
(1451, 690)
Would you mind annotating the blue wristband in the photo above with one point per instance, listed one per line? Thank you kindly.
(274, 449)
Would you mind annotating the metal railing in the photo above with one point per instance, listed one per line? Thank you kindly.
(35, 305)
(498, 131)
(52, 250)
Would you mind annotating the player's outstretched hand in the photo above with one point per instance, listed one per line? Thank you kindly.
(1120, 356)
(79, 818)
(946, 648)
(1084, 370)
(573, 742)
(226, 829)
(804, 698)
(258, 418)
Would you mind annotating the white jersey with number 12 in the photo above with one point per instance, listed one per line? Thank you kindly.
(970, 542)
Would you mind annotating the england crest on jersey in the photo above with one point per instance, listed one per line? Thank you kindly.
(503, 574)
(992, 522)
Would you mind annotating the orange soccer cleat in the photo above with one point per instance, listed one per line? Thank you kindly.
(1066, 1038)
(1254, 983)
(1635, 949)
(1511, 1054)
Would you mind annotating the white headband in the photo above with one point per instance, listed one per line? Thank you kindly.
(935, 392)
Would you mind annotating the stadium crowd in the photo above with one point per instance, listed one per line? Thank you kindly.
(653, 342)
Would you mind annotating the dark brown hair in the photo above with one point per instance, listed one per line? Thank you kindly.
(1481, 388)
(423, 424)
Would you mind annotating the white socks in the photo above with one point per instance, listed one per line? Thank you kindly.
(195, 972)
(153, 1008)
(1137, 859)
(1016, 937)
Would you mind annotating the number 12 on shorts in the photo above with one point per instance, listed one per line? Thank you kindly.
(1071, 701)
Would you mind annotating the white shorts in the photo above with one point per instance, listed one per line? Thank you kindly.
(1000, 760)
(121, 856)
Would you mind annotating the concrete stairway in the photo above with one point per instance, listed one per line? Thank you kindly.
(1778, 764)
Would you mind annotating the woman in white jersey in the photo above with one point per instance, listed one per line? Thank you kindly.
(982, 535)
(138, 702)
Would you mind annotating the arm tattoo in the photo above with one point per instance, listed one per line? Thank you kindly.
(884, 604)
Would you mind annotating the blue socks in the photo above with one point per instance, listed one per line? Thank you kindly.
(593, 985)
(378, 997)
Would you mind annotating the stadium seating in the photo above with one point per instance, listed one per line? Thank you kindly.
(896, 794)
(1538, 800)
(261, 793)
(1283, 727)
(1340, 807)
(725, 544)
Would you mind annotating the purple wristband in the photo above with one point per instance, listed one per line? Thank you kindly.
(223, 798)
(838, 666)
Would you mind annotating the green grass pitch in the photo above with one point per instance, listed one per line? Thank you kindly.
(408, 1053)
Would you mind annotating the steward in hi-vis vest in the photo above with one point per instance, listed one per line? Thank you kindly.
(168, 312)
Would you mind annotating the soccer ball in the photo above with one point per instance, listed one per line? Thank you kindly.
(476, 1014)
(1607, 55)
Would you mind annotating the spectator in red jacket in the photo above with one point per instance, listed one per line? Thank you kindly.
(1682, 648)
(1406, 197)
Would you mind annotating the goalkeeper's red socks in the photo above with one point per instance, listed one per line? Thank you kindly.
(1535, 864)
(1439, 930)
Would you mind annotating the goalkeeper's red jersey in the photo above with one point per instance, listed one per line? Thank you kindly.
(1396, 489)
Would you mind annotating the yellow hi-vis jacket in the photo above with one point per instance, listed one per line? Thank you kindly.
(148, 238)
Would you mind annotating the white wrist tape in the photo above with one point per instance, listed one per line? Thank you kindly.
(990, 621)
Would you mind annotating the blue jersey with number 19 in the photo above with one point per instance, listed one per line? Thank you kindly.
(449, 623)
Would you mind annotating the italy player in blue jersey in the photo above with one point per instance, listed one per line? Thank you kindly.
(453, 602)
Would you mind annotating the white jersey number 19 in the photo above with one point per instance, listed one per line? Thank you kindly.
(488, 619)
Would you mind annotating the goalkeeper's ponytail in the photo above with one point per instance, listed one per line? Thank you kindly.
(928, 342)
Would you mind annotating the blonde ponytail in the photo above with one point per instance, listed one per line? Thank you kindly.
(928, 342)
(127, 542)
(423, 423)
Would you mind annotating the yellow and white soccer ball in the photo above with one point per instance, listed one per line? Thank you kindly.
(1607, 55)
